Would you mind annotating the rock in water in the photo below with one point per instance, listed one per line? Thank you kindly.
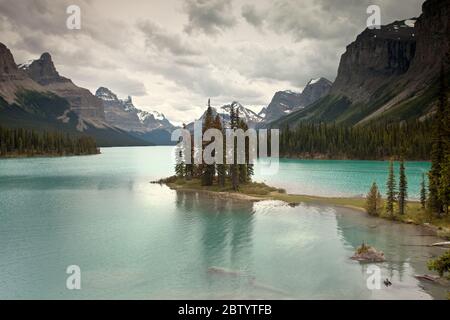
(367, 253)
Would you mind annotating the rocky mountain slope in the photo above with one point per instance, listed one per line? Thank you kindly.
(285, 102)
(386, 74)
(36, 97)
(12, 80)
(81, 100)
(122, 113)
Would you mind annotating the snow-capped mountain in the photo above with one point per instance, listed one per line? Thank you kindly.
(251, 118)
(122, 114)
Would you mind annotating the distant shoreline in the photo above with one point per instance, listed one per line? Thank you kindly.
(50, 155)
(319, 157)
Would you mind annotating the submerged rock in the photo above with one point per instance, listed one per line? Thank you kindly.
(366, 253)
(293, 204)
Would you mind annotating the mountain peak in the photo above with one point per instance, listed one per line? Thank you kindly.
(251, 118)
(105, 94)
(318, 81)
(122, 114)
(7, 64)
(43, 70)
(285, 102)
(46, 57)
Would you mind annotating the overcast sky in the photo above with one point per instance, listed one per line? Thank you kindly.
(172, 55)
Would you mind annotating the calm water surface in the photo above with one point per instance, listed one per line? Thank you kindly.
(133, 239)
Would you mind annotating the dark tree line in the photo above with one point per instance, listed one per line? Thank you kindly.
(24, 142)
(218, 173)
(439, 175)
(410, 139)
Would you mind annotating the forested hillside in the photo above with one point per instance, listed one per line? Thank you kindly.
(375, 142)
(28, 143)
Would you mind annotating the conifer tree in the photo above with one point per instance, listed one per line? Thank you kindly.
(391, 190)
(207, 170)
(234, 171)
(402, 188)
(245, 170)
(179, 166)
(444, 182)
(423, 192)
(435, 202)
(374, 201)
(220, 167)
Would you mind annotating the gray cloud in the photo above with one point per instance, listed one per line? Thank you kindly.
(140, 49)
(252, 16)
(159, 38)
(325, 20)
(209, 16)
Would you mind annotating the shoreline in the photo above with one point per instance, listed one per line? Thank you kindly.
(338, 158)
(415, 216)
(37, 156)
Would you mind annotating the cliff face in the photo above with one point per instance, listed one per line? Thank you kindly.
(433, 40)
(12, 79)
(375, 58)
(390, 74)
(81, 100)
(8, 68)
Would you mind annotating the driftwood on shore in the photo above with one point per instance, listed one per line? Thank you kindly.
(427, 277)
(445, 244)
(433, 279)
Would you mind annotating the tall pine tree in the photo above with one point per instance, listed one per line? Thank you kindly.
(391, 190)
(402, 189)
(207, 170)
(423, 192)
(435, 202)
(220, 167)
(444, 182)
(234, 169)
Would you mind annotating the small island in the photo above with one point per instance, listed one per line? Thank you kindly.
(366, 253)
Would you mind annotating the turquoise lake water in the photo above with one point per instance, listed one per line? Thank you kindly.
(341, 178)
(136, 240)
